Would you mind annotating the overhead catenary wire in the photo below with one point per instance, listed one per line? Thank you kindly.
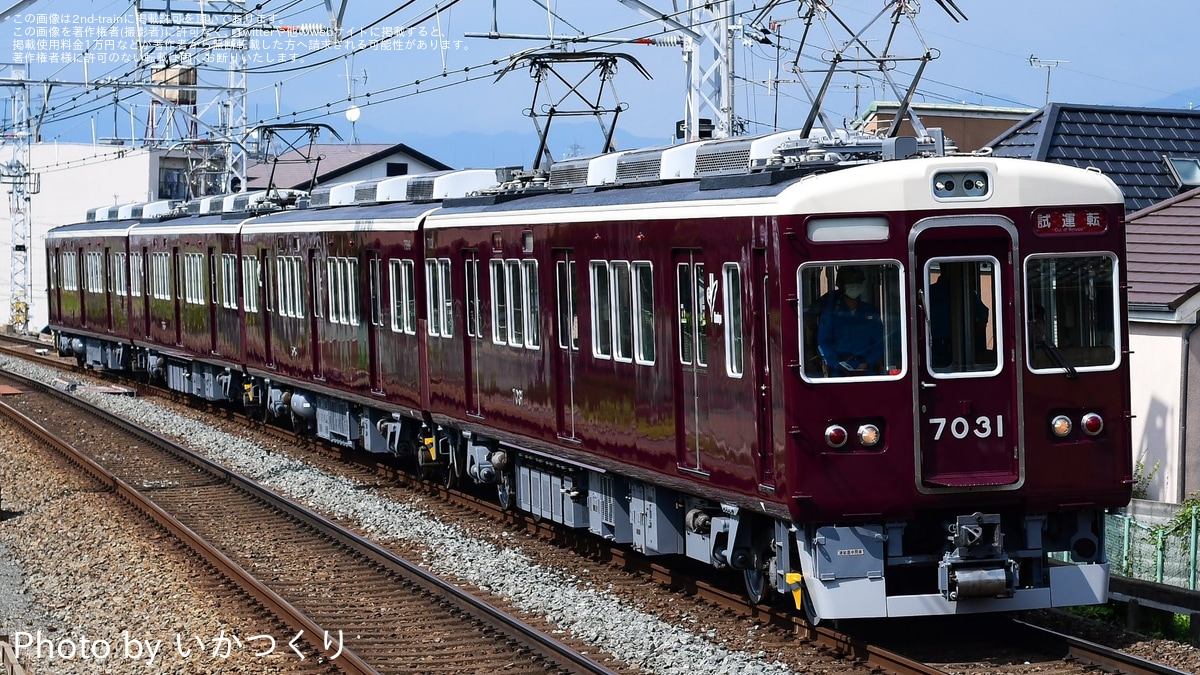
(94, 102)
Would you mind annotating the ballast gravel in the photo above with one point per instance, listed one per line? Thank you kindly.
(641, 640)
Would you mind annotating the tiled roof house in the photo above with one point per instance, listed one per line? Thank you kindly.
(1134, 147)
(1127, 144)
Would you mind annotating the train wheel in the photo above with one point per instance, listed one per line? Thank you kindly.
(759, 580)
(452, 474)
(504, 492)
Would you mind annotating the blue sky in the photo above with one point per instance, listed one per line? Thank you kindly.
(1135, 54)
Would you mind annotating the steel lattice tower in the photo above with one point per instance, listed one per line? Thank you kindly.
(175, 42)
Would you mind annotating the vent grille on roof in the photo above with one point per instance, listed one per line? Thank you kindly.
(318, 197)
(91, 215)
(569, 176)
(727, 161)
(211, 205)
(639, 169)
(419, 190)
(192, 207)
(136, 212)
(366, 192)
(241, 202)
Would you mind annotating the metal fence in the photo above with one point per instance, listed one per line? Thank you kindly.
(1164, 552)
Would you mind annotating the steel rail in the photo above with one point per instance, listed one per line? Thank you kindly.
(553, 650)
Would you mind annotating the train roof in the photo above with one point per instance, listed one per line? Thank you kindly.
(107, 228)
(386, 216)
(862, 188)
(207, 224)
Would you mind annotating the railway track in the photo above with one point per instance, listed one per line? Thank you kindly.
(1077, 655)
(366, 610)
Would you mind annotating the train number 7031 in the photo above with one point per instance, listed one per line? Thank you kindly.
(983, 426)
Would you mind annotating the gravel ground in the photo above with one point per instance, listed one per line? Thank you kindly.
(89, 586)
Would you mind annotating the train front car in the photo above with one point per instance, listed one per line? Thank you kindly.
(958, 410)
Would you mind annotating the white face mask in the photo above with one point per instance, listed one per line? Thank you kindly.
(853, 290)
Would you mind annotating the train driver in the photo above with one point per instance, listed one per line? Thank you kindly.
(850, 330)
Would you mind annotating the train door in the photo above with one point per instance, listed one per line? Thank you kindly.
(143, 293)
(264, 297)
(316, 313)
(53, 288)
(566, 328)
(177, 270)
(213, 300)
(968, 382)
(109, 286)
(760, 345)
(375, 325)
(474, 333)
(695, 291)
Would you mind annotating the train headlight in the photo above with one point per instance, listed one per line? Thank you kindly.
(1061, 426)
(868, 435)
(836, 436)
(1092, 424)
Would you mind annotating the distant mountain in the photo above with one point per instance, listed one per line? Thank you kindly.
(1188, 99)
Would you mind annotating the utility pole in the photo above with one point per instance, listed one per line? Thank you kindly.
(1048, 64)
(23, 185)
(706, 32)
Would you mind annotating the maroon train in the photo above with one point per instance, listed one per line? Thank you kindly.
(637, 348)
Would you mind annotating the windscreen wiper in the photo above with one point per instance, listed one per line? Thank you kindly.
(1057, 358)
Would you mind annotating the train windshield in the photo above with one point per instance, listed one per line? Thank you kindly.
(851, 316)
(1071, 306)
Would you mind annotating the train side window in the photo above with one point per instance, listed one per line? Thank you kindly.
(251, 282)
(404, 303)
(851, 320)
(160, 276)
(343, 290)
(95, 272)
(353, 297)
(471, 276)
(1072, 312)
(291, 296)
(533, 304)
(643, 304)
(433, 297)
(119, 274)
(136, 272)
(516, 303)
(337, 311)
(69, 270)
(693, 313)
(733, 320)
(499, 302)
(601, 310)
(189, 280)
(622, 309)
(568, 314)
(229, 281)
